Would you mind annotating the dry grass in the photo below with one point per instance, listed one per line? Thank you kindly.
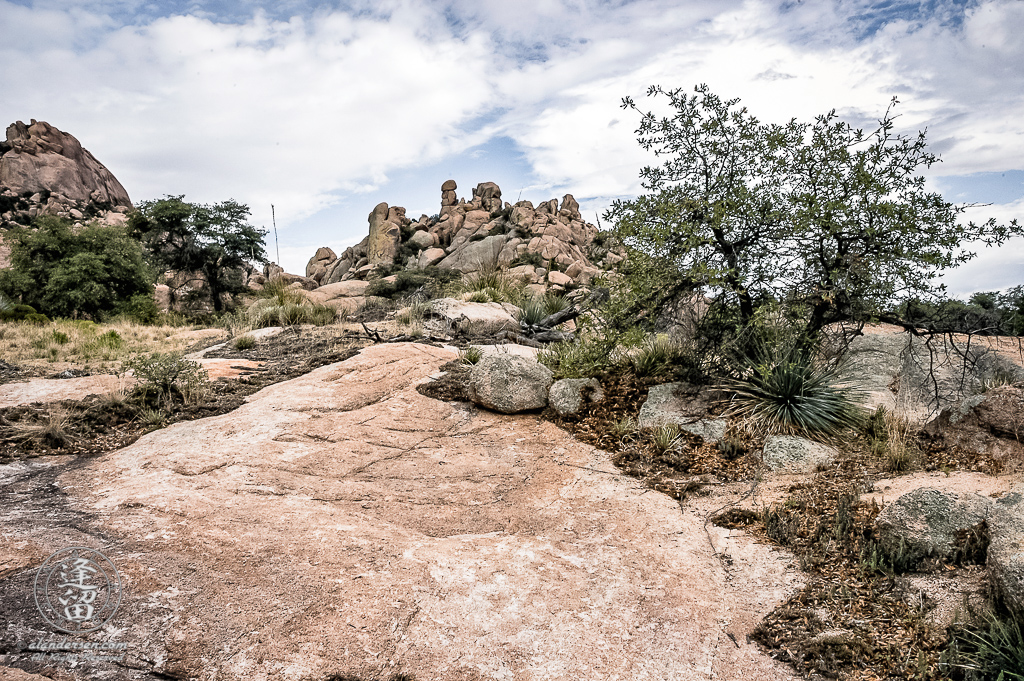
(52, 430)
(98, 348)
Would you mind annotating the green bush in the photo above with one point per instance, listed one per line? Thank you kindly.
(164, 377)
(61, 338)
(245, 342)
(36, 318)
(786, 391)
(429, 282)
(532, 312)
(140, 308)
(61, 272)
(585, 357)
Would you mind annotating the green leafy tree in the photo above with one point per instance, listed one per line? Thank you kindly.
(60, 272)
(833, 221)
(214, 240)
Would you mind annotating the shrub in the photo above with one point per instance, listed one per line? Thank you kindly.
(785, 391)
(245, 342)
(991, 648)
(164, 377)
(532, 312)
(140, 308)
(471, 355)
(586, 357)
(61, 338)
(66, 273)
(528, 258)
(657, 356)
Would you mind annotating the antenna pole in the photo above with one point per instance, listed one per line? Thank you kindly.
(276, 243)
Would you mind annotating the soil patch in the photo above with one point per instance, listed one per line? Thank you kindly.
(103, 423)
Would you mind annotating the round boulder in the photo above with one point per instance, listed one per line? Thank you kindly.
(928, 522)
(510, 384)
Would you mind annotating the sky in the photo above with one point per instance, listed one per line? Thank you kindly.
(324, 108)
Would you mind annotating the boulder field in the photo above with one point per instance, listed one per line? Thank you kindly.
(341, 523)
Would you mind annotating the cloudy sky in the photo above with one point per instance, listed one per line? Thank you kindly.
(324, 108)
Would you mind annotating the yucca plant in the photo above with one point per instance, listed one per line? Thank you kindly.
(783, 390)
(532, 312)
(991, 649)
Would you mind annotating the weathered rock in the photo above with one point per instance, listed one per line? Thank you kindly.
(926, 522)
(475, 255)
(1006, 552)
(289, 279)
(384, 237)
(559, 279)
(567, 395)
(39, 158)
(449, 186)
(476, 319)
(343, 524)
(421, 240)
(683, 405)
(991, 423)
(431, 256)
(162, 297)
(319, 262)
(330, 294)
(510, 384)
(792, 454)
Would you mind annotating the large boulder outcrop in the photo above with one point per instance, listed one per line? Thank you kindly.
(510, 384)
(469, 236)
(45, 171)
(930, 523)
(343, 525)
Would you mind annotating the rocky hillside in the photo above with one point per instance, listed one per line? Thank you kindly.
(45, 171)
(550, 244)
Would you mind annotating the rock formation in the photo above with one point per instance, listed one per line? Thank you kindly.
(44, 171)
(550, 244)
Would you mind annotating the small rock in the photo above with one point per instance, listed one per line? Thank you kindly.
(793, 454)
(510, 384)
(566, 395)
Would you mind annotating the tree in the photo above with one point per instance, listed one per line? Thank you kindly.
(831, 221)
(215, 241)
(91, 273)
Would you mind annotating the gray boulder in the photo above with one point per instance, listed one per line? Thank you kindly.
(925, 523)
(475, 319)
(1006, 552)
(510, 383)
(682, 405)
(792, 454)
(566, 396)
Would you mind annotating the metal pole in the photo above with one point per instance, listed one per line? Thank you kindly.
(276, 243)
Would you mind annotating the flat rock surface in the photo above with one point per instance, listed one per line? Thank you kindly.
(342, 523)
(55, 389)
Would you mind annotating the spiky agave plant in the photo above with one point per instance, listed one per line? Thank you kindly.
(783, 390)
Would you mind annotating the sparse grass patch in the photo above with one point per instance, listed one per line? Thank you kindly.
(84, 344)
(991, 648)
(164, 378)
(246, 342)
(52, 430)
(471, 355)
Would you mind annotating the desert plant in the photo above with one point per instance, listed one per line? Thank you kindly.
(61, 338)
(891, 440)
(992, 648)
(665, 437)
(163, 377)
(246, 342)
(656, 356)
(627, 425)
(532, 312)
(51, 430)
(153, 417)
(997, 379)
(588, 356)
(471, 355)
(786, 391)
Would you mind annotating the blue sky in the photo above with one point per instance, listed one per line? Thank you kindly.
(326, 108)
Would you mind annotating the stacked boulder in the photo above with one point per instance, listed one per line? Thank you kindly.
(549, 245)
(44, 171)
